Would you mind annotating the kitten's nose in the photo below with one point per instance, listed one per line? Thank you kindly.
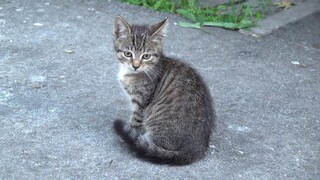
(135, 64)
(135, 67)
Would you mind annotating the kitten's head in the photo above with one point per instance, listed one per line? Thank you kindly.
(139, 47)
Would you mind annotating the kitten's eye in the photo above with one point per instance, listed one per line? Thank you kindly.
(127, 54)
(146, 56)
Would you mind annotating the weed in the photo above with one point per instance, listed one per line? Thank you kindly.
(230, 16)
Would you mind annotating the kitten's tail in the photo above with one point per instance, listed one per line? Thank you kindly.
(146, 149)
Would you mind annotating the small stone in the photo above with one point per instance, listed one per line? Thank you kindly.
(295, 62)
(37, 86)
(70, 49)
(240, 152)
(37, 78)
(38, 24)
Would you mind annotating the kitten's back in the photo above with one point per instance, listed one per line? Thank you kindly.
(183, 108)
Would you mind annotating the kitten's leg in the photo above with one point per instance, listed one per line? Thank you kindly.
(127, 132)
(137, 115)
(145, 141)
(133, 132)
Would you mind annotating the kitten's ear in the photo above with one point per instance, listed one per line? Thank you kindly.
(122, 28)
(159, 30)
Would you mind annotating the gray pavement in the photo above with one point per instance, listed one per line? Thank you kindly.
(300, 10)
(59, 95)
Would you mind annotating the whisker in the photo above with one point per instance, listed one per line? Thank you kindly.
(154, 73)
(157, 71)
(146, 71)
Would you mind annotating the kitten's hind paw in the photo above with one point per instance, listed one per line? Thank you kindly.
(126, 132)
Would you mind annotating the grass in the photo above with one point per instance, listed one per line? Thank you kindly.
(230, 16)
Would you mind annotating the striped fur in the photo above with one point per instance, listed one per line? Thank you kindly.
(173, 113)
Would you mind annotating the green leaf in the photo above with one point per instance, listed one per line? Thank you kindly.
(136, 2)
(200, 19)
(244, 23)
(173, 7)
(145, 4)
(158, 5)
(192, 3)
(258, 15)
(184, 3)
(247, 10)
(226, 25)
(222, 7)
(189, 25)
(187, 14)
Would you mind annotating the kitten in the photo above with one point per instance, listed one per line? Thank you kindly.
(173, 113)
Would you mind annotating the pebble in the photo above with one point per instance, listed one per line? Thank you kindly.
(295, 62)
(37, 86)
(38, 24)
(37, 78)
(240, 128)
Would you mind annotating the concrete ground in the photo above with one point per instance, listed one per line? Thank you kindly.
(59, 95)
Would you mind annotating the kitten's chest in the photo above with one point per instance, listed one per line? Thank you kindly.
(135, 84)
(122, 73)
(125, 78)
(131, 82)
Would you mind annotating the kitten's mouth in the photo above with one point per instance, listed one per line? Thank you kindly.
(135, 71)
(131, 70)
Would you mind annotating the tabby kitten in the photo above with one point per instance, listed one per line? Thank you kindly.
(173, 113)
